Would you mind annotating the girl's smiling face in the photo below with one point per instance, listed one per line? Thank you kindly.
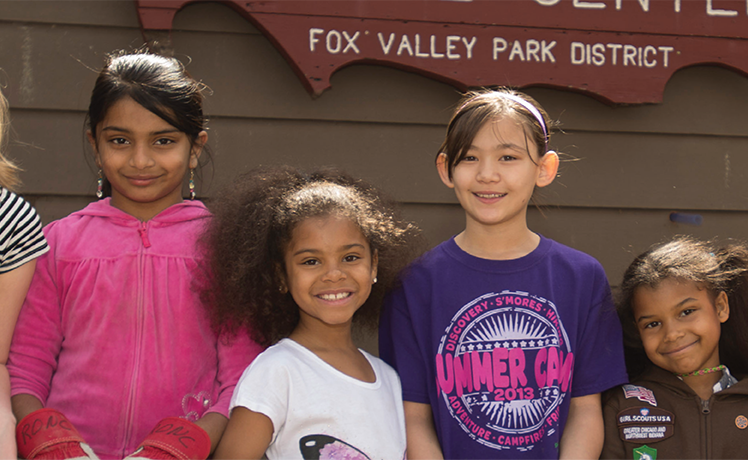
(679, 323)
(144, 158)
(496, 179)
(329, 270)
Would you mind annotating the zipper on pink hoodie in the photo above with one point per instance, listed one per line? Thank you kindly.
(143, 230)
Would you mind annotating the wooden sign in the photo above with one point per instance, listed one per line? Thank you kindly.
(621, 51)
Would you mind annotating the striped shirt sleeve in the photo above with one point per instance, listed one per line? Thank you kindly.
(21, 237)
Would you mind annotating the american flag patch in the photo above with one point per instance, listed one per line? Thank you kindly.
(640, 393)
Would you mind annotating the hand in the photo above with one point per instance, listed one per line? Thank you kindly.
(47, 434)
(174, 438)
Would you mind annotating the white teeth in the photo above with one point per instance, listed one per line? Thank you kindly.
(490, 195)
(338, 296)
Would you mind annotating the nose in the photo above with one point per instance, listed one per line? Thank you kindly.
(488, 171)
(334, 274)
(141, 156)
(672, 332)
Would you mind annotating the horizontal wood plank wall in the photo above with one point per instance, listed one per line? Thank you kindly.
(626, 168)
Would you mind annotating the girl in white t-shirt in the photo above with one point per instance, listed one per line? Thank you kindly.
(297, 257)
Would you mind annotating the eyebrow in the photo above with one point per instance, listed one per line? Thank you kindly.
(502, 145)
(675, 307)
(125, 130)
(342, 248)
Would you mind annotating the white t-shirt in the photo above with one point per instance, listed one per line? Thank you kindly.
(321, 413)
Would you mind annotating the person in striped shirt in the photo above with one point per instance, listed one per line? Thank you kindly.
(21, 242)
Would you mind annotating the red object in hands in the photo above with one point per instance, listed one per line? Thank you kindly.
(47, 434)
(174, 438)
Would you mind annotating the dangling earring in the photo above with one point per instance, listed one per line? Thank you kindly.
(100, 186)
(192, 183)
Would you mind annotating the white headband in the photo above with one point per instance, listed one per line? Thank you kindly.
(531, 108)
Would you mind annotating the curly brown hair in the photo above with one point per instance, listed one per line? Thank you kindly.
(711, 266)
(253, 225)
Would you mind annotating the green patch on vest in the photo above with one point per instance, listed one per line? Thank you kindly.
(645, 453)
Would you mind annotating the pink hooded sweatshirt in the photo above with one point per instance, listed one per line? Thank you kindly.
(113, 333)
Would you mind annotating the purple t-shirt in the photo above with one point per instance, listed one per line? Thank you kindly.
(499, 347)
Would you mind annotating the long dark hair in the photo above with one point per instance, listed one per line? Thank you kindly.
(160, 84)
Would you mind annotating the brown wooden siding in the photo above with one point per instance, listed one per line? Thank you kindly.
(633, 165)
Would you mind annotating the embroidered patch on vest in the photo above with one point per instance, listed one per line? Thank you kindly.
(645, 453)
(645, 424)
(640, 393)
(741, 422)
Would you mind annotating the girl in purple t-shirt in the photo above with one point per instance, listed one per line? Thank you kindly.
(503, 339)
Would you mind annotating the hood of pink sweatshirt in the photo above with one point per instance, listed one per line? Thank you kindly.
(113, 332)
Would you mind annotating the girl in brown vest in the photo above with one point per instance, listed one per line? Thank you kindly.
(683, 312)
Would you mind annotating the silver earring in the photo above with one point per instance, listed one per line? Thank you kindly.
(192, 183)
(375, 280)
(100, 186)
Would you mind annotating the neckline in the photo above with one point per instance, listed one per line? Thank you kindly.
(342, 375)
(498, 266)
(173, 213)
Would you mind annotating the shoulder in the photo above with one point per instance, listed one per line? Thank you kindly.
(565, 255)
(281, 354)
(279, 351)
(21, 237)
(6, 196)
(271, 364)
(191, 218)
(185, 211)
(77, 224)
(14, 209)
(576, 267)
(381, 367)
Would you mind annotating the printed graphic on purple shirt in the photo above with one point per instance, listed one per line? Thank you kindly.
(504, 366)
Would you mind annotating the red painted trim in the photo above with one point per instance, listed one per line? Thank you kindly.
(621, 51)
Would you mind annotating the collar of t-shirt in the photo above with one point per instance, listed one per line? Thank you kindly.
(725, 382)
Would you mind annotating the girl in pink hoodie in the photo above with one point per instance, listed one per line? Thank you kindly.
(114, 353)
